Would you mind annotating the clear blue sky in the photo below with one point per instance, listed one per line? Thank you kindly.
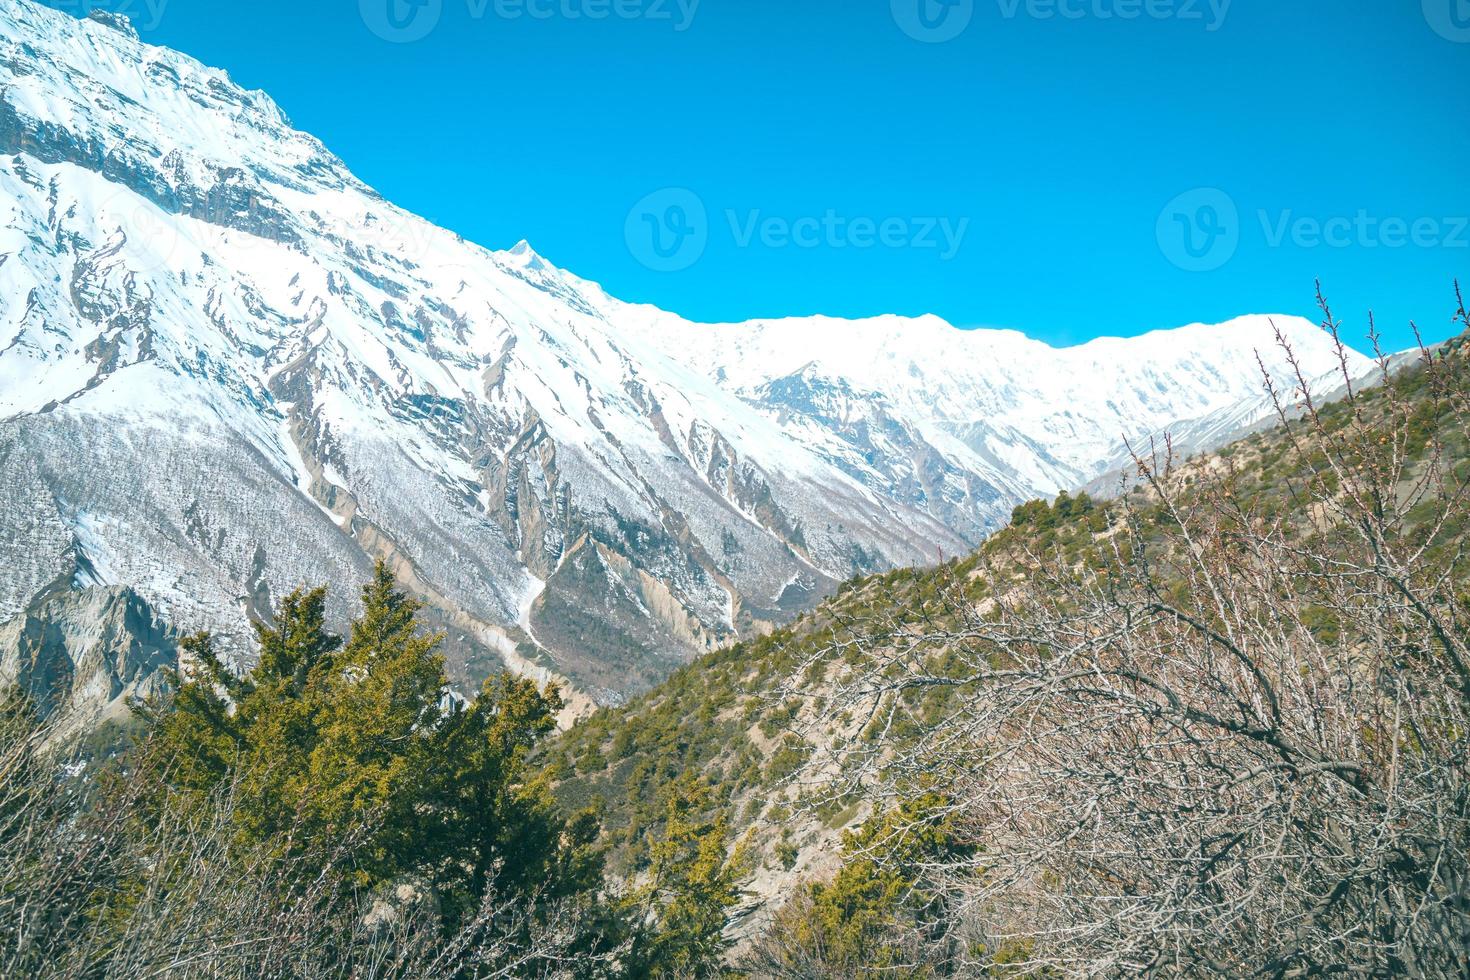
(1055, 142)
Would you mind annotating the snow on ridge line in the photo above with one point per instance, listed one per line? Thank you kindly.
(522, 253)
(487, 413)
(886, 324)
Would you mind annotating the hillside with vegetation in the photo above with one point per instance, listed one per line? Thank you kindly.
(1268, 581)
(1216, 725)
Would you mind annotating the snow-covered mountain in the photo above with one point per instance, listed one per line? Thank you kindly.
(228, 367)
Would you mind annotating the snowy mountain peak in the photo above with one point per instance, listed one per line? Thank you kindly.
(525, 256)
(229, 368)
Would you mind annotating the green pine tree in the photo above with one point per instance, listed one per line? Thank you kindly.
(359, 748)
(372, 761)
(881, 915)
(692, 887)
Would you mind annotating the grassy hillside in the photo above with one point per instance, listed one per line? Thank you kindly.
(758, 722)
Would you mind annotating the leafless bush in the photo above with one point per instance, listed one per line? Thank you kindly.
(1231, 739)
(799, 945)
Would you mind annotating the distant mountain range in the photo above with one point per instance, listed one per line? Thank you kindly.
(229, 368)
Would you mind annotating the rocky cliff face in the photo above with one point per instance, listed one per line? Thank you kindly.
(82, 656)
(229, 368)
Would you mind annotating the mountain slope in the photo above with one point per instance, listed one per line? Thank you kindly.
(766, 724)
(227, 368)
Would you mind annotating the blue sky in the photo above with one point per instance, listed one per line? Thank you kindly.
(1070, 168)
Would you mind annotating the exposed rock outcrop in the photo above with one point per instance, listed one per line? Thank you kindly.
(82, 656)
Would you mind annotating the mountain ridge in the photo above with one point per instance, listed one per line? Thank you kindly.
(229, 368)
